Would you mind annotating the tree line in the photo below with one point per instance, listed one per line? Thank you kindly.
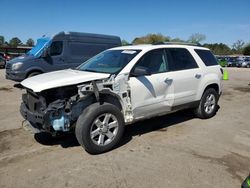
(239, 47)
(15, 41)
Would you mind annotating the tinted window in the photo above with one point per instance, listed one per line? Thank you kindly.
(56, 48)
(79, 49)
(207, 57)
(181, 59)
(155, 61)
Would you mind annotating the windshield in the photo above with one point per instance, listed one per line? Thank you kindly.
(38, 49)
(110, 61)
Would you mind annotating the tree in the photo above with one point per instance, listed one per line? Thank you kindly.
(30, 42)
(238, 46)
(246, 50)
(219, 48)
(1, 40)
(14, 42)
(124, 43)
(151, 38)
(196, 38)
(138, 40)
(177, 40)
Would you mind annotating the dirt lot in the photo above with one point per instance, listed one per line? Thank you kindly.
(176, 150)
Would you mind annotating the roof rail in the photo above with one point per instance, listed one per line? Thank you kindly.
(177, 43)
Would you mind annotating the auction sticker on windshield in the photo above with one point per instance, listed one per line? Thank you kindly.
(128, 52)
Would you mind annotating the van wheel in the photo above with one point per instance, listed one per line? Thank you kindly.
(99, 128)
(33, 74)
(208, 104)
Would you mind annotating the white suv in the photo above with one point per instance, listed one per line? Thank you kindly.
(120, 86)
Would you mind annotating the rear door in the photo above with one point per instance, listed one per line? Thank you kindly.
(185, 73)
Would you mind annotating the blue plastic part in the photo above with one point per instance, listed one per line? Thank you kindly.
(61, 123)
(41, 45)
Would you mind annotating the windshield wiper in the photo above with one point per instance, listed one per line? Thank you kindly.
(89, 70)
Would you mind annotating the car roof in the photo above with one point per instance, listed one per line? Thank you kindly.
(151, 47)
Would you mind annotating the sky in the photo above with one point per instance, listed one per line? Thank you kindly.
(223, 21)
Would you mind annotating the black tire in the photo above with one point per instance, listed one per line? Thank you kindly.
(201, 111)
(33, 74)
(85, 124)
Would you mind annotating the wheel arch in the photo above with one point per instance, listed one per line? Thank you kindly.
(213, 85)
(32, 71)
(109, 97)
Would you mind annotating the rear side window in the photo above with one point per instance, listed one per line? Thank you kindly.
(207, 57)
(181, 59)
(87, 50)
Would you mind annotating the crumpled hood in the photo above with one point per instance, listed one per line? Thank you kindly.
(61, 78)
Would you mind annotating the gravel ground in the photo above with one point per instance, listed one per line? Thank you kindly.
(176, 150)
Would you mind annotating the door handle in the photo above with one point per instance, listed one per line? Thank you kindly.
(198, 76)
(168, 81)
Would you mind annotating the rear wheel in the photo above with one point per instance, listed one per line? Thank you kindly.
(99, 128)
(208, 104)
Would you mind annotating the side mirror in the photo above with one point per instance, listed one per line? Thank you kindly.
(140, 71)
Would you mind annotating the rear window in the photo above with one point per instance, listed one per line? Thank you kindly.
(207, 57)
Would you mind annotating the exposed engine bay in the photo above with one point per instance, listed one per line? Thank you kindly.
(57, 109)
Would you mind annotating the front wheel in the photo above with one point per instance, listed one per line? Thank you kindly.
(99, 128)
(33, 74)
(208, 104)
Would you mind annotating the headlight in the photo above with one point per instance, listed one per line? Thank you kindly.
(16, 66)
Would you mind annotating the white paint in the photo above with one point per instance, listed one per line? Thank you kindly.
(61, 78)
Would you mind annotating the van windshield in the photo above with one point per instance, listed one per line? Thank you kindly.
(40, 46)
(110, 61)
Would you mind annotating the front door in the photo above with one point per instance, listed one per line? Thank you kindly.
(57, 56)
(151, 94)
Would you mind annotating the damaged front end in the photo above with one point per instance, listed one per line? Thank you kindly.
(57, 110)
(54, 110)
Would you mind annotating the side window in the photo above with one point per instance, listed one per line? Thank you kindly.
(155, 61)
(207, 57)
(181, 59)
(56, 48)
(78, 49)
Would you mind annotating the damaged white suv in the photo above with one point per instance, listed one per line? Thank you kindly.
(120, 86)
